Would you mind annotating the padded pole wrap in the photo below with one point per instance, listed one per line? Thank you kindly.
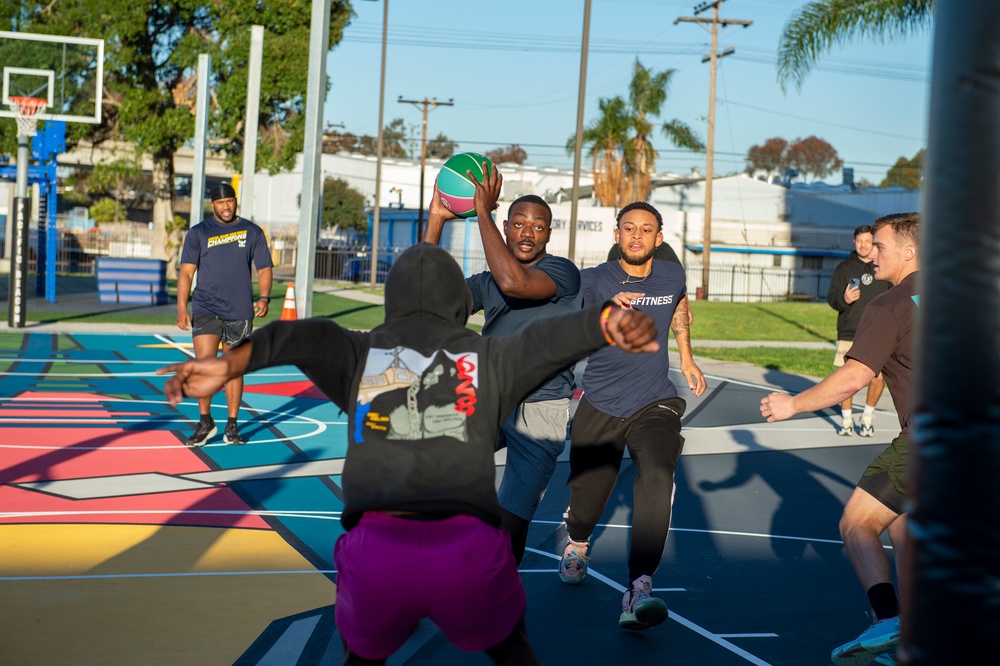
(952, 615)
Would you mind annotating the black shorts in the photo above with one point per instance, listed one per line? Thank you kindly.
(885, 478)
(230, 331)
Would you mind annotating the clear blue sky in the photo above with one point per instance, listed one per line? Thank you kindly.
(512, 69)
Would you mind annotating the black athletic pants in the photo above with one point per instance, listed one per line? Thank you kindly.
(597, 445)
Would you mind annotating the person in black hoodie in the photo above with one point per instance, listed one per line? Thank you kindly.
(852, 287)
(425, 398)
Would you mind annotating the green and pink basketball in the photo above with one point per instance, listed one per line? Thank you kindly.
(456, 191)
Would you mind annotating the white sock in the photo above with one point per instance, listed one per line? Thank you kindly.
(869, 410)
(845, 413)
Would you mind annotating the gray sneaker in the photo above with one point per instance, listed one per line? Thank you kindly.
(231, 435)
(202, 433)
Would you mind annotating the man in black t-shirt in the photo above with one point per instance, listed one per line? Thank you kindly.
(884, 343)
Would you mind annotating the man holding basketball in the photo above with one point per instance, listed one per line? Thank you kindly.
(884, 343)
(524, 284)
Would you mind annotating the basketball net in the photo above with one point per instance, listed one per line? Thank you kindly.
(26, 111)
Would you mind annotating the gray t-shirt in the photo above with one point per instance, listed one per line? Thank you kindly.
(507, 316)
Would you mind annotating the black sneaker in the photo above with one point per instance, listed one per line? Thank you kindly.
(232, 435)
(202, 433)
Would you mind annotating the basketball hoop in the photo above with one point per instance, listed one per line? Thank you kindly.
(26, 112)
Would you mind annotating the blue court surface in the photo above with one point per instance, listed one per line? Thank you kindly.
(122, 546)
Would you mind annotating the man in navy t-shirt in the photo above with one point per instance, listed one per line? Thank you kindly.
(223, 249)
(634, 406)
(524, 284)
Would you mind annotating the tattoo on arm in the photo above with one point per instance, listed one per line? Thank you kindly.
(679, 324)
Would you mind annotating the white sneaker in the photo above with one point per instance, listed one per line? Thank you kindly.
(868, 426)
(846, 427)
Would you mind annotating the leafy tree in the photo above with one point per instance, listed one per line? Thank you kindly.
(814, 156)
(151, 53)
(809, 156)
(441, 147)
(906, 173)
(105, 210)
(770, 158)
(343, 206)
(393, 141)
(512, 153)
(822, 23)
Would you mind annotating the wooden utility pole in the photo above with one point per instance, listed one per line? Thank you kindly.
(427, 104)
(712, 58)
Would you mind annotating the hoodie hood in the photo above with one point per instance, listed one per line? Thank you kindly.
(426, 281)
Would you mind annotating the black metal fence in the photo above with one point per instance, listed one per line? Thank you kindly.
(736, 283)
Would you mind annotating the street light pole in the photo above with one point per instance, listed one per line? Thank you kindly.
(373, 276)
(578, 143)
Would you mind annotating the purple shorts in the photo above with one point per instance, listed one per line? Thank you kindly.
(392, 572)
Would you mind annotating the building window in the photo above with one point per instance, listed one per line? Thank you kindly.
(812, 263)
(776, 261)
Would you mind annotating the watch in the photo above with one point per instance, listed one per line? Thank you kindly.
(266, 299)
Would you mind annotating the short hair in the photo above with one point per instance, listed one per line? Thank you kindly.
(906, 226)
(863, 229)
(641, 205)
(531, 199)
(223, 191)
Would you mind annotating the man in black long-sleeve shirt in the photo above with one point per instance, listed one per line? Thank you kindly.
(425, 398)
(852, 287)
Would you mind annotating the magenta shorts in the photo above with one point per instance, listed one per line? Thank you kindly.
(392, 572)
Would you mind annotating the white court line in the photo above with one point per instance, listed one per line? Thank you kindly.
(320, 427)
(700, 531)
(715, 638)
(175, 345)
(764, 635)
(325, 515)
(190, 574)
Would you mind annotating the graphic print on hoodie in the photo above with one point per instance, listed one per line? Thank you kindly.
(405, 395)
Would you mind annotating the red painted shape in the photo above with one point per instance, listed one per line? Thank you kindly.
(302, 389)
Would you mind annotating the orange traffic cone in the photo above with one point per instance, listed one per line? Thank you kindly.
(288, 311)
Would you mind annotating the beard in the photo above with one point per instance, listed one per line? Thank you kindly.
(636, 260)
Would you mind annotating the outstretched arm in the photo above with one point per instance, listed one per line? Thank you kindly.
(843, 383)
(681, 326)
(203, 377)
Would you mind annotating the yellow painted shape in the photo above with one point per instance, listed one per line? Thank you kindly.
(127, 617)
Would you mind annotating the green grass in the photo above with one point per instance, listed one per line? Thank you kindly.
(784, 322)
(346, 312)
(812, 362)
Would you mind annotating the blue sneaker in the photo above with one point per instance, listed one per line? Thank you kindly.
(640, 609)
(573, 565)
(880, 638)
(886, 659)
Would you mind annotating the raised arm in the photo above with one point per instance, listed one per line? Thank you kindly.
(437, 215)
(514, 278)
(681, 326)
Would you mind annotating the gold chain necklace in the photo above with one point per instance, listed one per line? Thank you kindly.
(628, 278)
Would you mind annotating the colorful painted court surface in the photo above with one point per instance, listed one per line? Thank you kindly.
(119, 545)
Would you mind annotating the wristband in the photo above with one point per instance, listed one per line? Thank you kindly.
(266, 299)
(605, 315)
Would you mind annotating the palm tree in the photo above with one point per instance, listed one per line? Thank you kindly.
(647, 94)
(606, 137)
(823, 23)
